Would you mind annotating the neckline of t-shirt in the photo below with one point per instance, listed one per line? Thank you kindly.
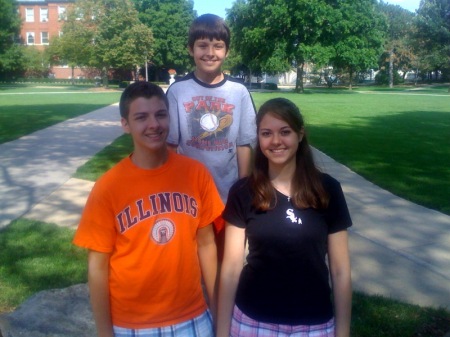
(206, 85)
(155, 171)
(287, 197)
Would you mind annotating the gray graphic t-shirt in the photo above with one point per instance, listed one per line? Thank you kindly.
(207, 122)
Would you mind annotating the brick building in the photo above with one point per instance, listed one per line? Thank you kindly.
(42, 20)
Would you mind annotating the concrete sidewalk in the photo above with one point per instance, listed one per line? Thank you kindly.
(398, 249)
(34, 166)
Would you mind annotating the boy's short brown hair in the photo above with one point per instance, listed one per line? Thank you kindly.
(137, 90)
(209, 26)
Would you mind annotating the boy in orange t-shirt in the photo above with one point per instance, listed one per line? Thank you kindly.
(148, 227)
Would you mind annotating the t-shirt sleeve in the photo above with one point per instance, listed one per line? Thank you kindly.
(337, 214)
(237, 205)
(247, 126)
(97, 230)
(174, 127)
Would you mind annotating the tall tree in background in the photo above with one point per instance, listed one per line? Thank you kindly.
(275, 35)
(358, 34)
(10, 53)
(74, 47)
(432, 34)
(397, 46)
(105, 34)
(169, 21)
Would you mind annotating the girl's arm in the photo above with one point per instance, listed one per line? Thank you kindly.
(98, 277)
(339, 262)
(230, 272)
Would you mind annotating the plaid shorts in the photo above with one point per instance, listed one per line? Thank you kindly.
(200, 326)
(244, 326)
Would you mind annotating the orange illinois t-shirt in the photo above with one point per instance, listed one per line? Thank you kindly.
(148, 221)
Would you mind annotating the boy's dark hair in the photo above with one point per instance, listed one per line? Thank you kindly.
(140, 89)
(209, 26)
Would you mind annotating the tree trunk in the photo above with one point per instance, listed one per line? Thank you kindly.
(351, 79)
(299, 81)
(391, 68)
(73, 75)
(105, 77)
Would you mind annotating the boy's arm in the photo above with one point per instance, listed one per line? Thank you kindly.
(207, 255)
(244, 156)
(98, 276)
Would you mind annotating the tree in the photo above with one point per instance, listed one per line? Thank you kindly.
(358, 32)
(9, 30)
(276, 35)
(74, 47)
(397, 46)
(432, 34)
(105, 34)
(169, 21)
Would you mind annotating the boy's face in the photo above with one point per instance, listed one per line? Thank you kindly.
(208, 56)
(148, 124)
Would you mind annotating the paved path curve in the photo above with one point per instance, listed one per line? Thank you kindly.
(32, 167)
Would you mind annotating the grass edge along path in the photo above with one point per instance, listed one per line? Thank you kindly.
(23, 114)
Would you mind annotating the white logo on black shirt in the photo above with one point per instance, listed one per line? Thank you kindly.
(291, 216)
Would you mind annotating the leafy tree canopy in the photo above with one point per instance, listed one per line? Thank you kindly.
(432, 34)
(105, 34)
(9, 29)
(359, 32)
(274, 35)
(169, 21)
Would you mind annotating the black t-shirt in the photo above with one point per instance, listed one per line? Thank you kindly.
(286, 279)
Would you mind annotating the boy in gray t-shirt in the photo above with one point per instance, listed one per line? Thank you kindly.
(212, 116)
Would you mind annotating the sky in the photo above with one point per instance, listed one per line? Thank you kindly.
(218, 7)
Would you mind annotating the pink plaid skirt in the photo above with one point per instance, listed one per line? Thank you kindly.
(244, 326)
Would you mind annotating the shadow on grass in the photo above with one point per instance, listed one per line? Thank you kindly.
(37, 256)
(380, 316)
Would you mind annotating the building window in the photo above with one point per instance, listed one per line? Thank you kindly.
(62, 13)
(44, 37)
(29, 14)
(30, 38)
(44, 14)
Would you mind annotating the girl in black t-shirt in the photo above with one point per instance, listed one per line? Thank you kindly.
(294, 218)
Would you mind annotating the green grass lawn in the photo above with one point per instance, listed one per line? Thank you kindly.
(35, 256)
(25, 109)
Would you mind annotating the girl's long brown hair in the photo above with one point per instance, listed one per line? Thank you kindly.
(308, 190)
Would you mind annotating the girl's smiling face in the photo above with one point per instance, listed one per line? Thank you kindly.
(278, 141)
